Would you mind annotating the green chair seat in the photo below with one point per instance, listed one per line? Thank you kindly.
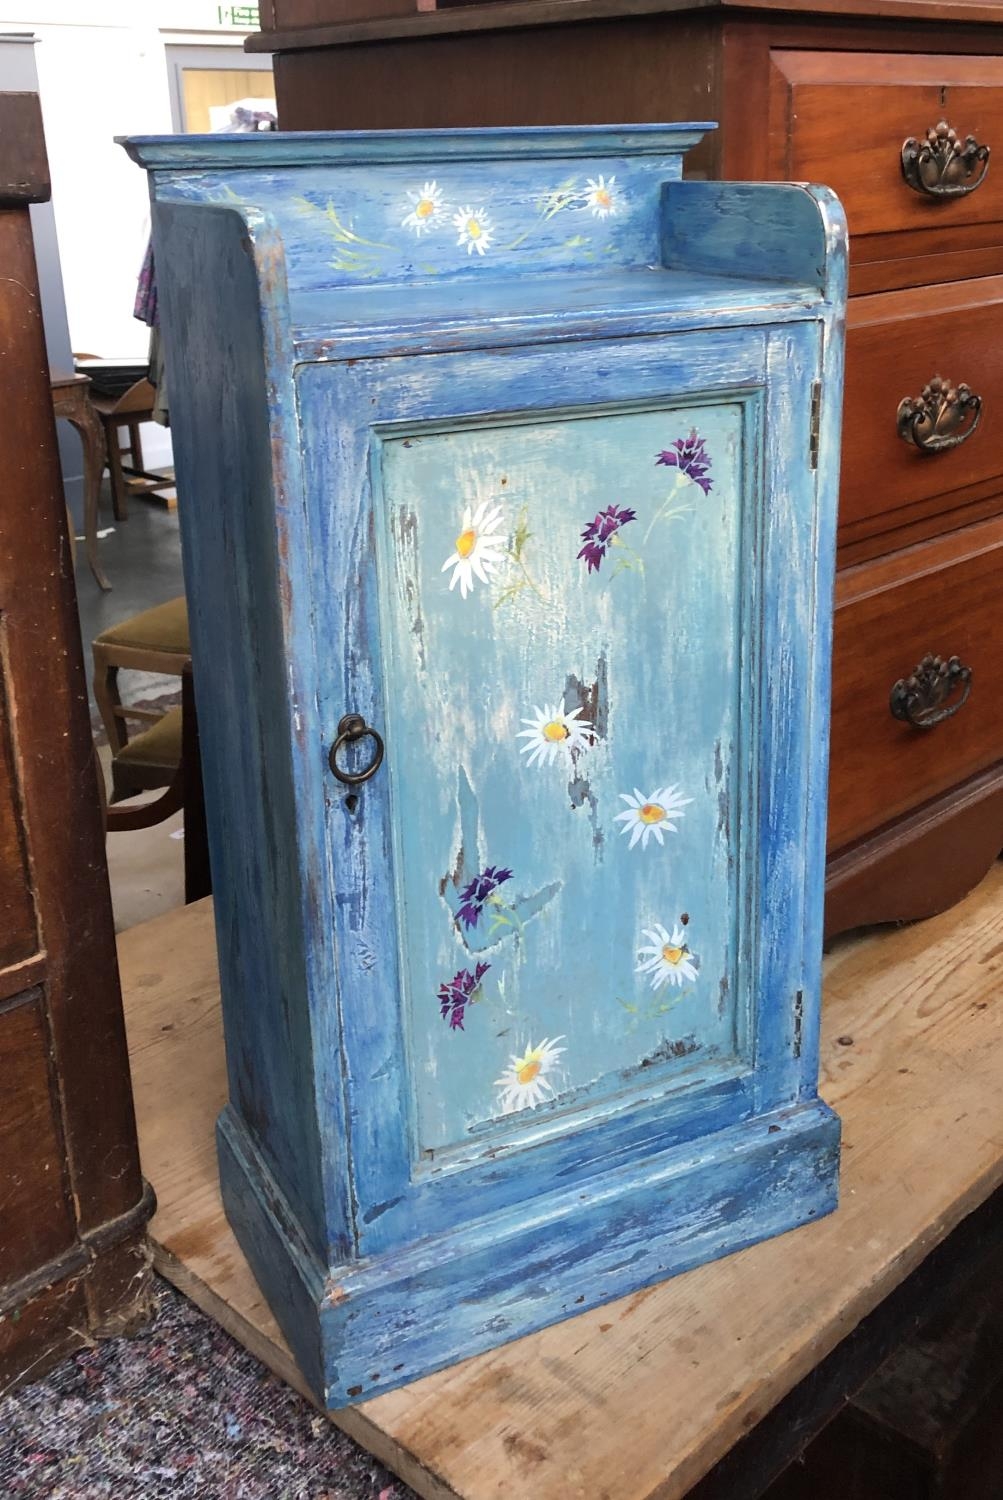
(160, 745)
(162, 628)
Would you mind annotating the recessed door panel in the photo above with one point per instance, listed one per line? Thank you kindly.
(561, 616)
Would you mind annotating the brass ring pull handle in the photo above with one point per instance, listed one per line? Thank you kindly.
(354, 727)
(920, 699)
(943, 416)
(942, 166)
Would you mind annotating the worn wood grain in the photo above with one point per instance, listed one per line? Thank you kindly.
(69, 1168)
(18, 929)
(911, 1051)
(36, 1221)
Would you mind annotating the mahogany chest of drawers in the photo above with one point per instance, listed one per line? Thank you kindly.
(830, 93)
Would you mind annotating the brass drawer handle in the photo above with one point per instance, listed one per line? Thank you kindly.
(936, 420)
(941, 166)
(920, 698)
(354, 727)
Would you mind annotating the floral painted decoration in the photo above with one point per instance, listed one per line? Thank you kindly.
(667, 958)
(689, 455)
(427, 209)
(478, 892)
(525, 1081)
(478, 548)
(602, 532)
(599, 196)
(460, 992)
(552, 733)
(647, 816)
(474, 230)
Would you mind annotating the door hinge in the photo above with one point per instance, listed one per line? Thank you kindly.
(814, 421)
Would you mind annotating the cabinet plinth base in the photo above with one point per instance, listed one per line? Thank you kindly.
(921, 865)
(363, 1329)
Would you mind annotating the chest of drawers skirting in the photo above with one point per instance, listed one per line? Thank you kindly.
(506, 463)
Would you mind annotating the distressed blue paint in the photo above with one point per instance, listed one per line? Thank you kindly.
(344, 384)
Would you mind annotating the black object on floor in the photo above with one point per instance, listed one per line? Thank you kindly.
(180, 1412)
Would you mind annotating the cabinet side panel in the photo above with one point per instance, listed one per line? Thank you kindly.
(223, 441)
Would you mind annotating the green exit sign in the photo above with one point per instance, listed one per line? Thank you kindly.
(246, 16)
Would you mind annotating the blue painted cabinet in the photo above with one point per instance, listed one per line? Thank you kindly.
(508, 465)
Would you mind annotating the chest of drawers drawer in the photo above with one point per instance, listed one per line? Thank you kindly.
(923, 213)
(909, 456)
(943, 598)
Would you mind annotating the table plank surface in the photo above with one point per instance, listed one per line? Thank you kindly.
(638, 1399)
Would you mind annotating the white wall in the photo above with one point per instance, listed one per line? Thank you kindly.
(102, 72)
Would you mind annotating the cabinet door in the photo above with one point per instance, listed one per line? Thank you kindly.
(553, 577)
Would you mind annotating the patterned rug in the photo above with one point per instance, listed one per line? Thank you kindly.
(181, 1412)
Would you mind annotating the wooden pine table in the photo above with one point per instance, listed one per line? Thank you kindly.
(639, 1399)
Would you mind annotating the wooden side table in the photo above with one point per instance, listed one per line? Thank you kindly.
(71, 400)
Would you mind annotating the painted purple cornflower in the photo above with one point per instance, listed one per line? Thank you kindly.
(477, 892)
(690, 457)
(455, 996)
(599, 533)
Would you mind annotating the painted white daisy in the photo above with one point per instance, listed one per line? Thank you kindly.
(552, 733)
(666, 957)
(427, 209)
(600, 196)
(524, 1082)
(651, 815)
(478, 548)
(474, 229)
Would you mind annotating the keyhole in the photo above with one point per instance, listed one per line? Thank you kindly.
(351, 802)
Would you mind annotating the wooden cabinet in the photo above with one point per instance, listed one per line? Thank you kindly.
(510, 584)
(830, 93)
(72, 1202)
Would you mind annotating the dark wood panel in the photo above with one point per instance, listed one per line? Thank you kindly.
(970, 15)
(71, 1195)
(888, 617)
(105, 1294)
(896, 343)
(36, 1222)
(48, 1327)
(608, 73)
(18, 933)
(294, 13)
(54, 751)
(879, 536)
(24, 167)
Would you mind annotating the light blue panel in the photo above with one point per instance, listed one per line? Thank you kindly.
(635, 664)
(391, 397)
(451, 204)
